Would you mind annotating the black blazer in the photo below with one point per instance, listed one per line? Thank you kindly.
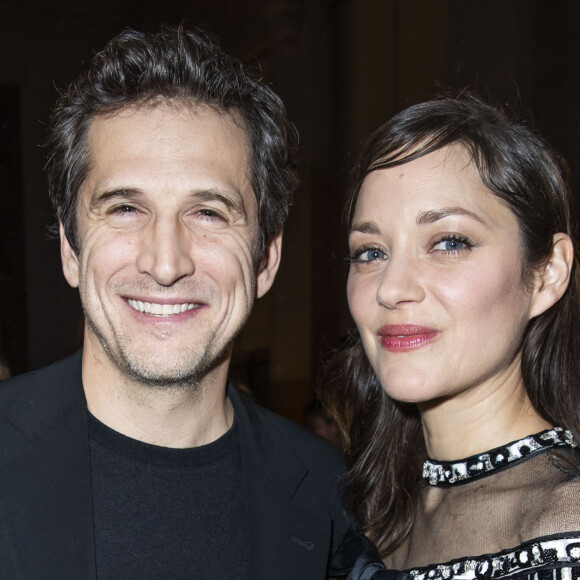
(46, 523)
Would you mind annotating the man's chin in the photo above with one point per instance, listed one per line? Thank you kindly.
(166, 381)
(163, 375)
(161, 368)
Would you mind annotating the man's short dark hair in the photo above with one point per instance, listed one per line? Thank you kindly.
(178, 66)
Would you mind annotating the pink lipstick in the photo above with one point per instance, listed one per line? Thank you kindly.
(405, 337)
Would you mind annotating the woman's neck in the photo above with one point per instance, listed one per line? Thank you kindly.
(479, 419)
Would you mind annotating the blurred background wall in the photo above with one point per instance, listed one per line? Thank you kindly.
(342, 67)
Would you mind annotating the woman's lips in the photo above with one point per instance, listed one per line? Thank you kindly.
(404, 337)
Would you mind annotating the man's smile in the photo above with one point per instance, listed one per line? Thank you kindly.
(156, 309)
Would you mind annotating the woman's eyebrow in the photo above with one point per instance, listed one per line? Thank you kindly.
(365, 228)
(434, 215)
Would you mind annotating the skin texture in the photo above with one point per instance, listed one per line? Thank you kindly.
(167, 215)
(437, 257)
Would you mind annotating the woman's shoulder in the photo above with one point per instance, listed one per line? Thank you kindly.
(559, 508)
(567, 461)
(534, 524)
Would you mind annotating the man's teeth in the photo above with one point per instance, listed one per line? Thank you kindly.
(160, 309)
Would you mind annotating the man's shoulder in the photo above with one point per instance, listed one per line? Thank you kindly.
(313, 449)
(39, 386)
(307, 467)
(278, 436)
(34, 404)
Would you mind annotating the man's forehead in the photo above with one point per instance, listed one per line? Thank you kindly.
(181, 108)
(205, 148)
(155, 126)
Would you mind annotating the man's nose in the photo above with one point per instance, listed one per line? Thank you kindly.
(400, 282)
(165, 252)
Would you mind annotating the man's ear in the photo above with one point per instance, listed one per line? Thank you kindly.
(269, 265)
(70, 261)
(553, 277)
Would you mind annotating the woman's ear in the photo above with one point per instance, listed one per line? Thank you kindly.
(70, 261)
(269, 266)
(553, 277)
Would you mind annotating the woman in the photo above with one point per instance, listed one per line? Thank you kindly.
(460, 396)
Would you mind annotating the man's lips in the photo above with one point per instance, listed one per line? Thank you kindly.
(403, 337)
(161, 309)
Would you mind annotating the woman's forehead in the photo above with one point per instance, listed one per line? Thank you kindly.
(444, 181)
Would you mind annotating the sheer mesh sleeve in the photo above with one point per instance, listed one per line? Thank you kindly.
(519, 521)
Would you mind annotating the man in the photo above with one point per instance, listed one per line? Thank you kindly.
(171, 170)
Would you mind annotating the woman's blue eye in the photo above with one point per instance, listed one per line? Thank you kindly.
(368, 255)
(453, 244)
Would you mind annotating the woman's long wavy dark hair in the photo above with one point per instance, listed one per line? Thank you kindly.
(385, 439)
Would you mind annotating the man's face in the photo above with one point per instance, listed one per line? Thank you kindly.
(167, 225)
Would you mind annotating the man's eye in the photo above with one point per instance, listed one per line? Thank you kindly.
(123, 209)
(363, 255)
(207, 212)
(210, 214)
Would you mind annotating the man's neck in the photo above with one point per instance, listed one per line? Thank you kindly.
(172, 416)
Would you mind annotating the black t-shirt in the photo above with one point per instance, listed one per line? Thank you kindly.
(162, 513)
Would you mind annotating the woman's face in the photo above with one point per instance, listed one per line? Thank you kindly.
(435, 284)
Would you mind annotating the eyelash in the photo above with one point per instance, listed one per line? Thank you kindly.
(124, 208)
(210, 214)
(467, 243)
(355, 257)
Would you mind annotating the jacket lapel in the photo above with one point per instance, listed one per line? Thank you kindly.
(46, 520)
(45, 484)
(287, 540)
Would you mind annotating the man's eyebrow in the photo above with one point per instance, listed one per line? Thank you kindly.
(234, 203)
(102, 197)
(434, 215)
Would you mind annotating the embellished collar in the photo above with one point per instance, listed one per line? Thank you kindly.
(453, 472)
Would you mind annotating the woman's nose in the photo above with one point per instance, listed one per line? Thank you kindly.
(400, 282)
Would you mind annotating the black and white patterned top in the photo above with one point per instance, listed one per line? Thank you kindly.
(441, 473)
(510, 513)
(555, 558)
(549, 557)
